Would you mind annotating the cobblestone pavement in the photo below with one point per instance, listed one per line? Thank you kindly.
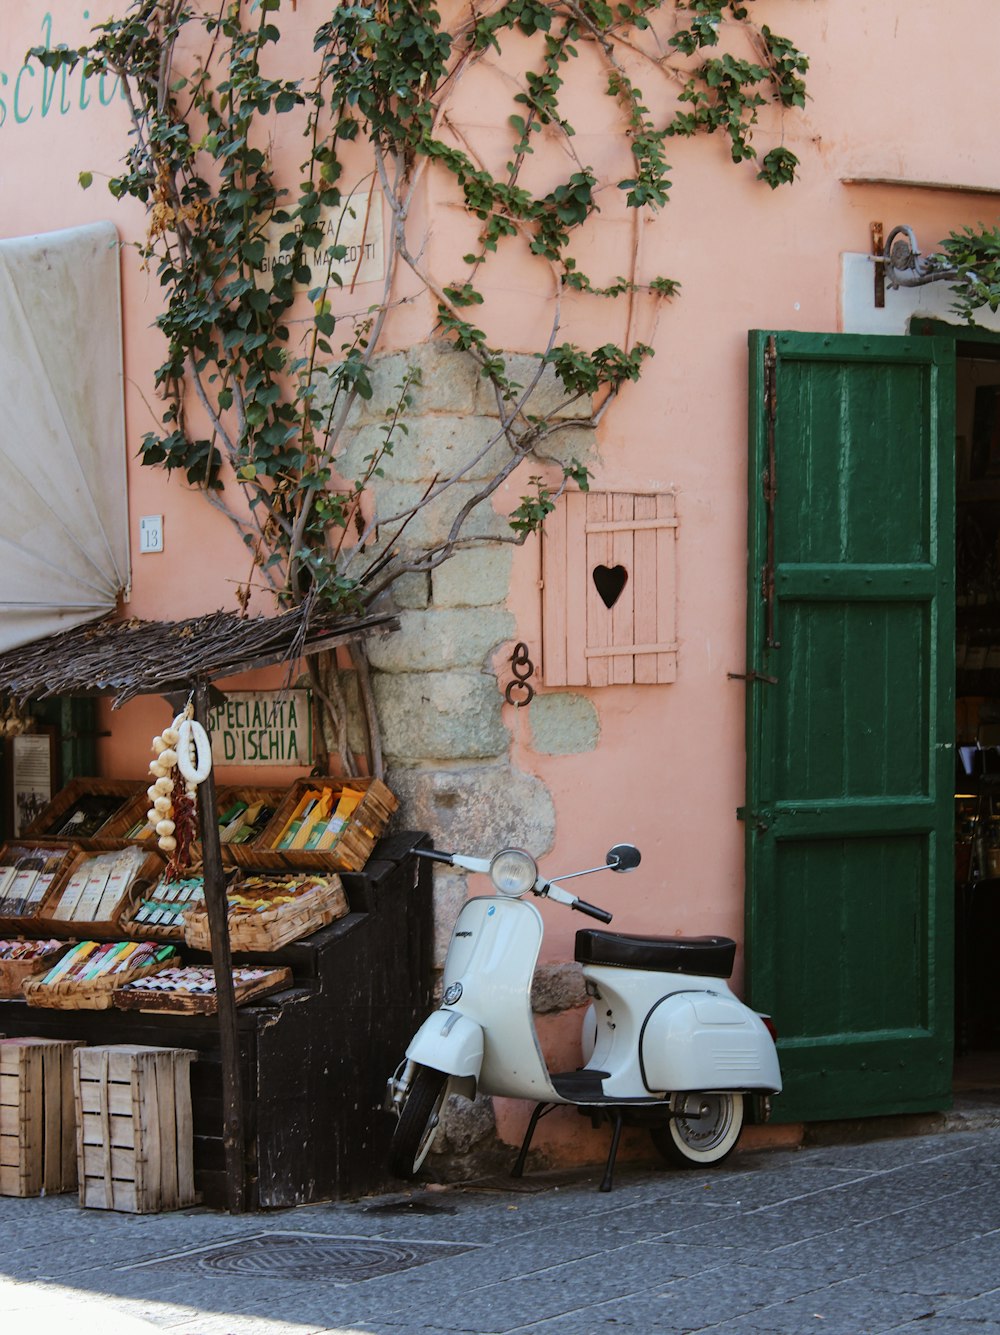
(897, 1235)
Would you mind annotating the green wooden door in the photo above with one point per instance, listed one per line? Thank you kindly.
(850, 722)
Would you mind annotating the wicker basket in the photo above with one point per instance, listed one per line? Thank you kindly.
(354, 843)
(265, 930)
(91, 994)
(109, 807)
(147, 931)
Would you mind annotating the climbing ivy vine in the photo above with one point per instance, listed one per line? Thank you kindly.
(258, 395)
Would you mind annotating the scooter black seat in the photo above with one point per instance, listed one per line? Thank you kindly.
(708, 955)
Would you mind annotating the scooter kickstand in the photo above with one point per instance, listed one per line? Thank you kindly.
(616, 1136)
(539, 1111)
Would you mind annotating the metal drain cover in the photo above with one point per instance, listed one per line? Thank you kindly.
(309, 1256)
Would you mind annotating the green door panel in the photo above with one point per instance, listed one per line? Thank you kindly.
(850, 718)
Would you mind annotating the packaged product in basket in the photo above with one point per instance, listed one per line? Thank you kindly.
(94, 959)
(168, 900)
(258, 893)
(192, 989)
(29, 950)
(98, 884)
(244, 821)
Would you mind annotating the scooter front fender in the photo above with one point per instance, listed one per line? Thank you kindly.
(449, 1041)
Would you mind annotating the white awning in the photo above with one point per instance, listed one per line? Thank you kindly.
(64, 551)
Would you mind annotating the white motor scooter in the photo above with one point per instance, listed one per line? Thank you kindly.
(665, 1041)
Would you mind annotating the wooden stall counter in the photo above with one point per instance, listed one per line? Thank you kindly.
(314, 1056)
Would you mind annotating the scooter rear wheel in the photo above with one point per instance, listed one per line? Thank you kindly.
(418, 1122)
(704, 1141)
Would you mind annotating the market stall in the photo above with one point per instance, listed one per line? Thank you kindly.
(292, 955)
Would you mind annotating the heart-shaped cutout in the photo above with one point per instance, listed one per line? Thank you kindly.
(609, 582)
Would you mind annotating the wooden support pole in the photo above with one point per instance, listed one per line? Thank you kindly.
(233, 1123)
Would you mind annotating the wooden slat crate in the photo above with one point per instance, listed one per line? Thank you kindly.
(37, 1116)
(135, 1140)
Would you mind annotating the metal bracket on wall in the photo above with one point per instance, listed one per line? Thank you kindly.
(878, 254)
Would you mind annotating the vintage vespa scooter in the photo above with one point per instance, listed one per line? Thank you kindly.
(665, 1041)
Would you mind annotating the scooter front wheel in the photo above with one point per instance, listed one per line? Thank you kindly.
(418, 1122)
(703, 1140)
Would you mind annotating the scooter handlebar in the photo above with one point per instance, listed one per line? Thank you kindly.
(435, 855)
(591, 910)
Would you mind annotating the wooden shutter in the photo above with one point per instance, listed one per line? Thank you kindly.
(617, 548)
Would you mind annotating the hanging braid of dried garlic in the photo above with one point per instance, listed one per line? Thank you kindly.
(182, 760)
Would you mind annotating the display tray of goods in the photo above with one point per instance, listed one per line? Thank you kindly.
(94, 813)
(24, 959)
(155, 912)
(87, 975)
(94, 888)
(243, 814)
(321, 824)
(29, 872)
(190, 990)
(266, 910)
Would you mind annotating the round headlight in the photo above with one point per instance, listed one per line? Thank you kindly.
(513, 871)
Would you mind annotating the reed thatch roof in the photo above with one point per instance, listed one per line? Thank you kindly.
(126, 658)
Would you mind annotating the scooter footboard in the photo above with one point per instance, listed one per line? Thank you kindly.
(699, 1040)
(450, 1042)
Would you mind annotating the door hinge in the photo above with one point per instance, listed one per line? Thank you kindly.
(752, 676)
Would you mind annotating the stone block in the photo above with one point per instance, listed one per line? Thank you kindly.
(557, 987)
(547, 399)
(450, 893)
(448, 383)
(432, 445)
(431, 522)
(476, 577)
(563, 724)
(437, 639)
(477, 808)
(412, 591)
(440, 715)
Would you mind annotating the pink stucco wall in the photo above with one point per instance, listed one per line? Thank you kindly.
(891, 95)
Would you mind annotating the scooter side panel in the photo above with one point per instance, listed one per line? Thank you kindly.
(697, 1040)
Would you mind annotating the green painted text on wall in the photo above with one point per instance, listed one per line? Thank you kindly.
(34, 91)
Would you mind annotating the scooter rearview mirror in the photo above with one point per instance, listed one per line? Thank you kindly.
(623, 857)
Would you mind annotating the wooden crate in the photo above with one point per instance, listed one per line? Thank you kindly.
(109, 806)
(354, 845)
(135, 1140)
(37, 1116)
(268, 929)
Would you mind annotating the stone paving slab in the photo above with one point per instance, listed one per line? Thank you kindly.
(860, 1239)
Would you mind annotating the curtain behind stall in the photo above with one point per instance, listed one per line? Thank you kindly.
(64, 554)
